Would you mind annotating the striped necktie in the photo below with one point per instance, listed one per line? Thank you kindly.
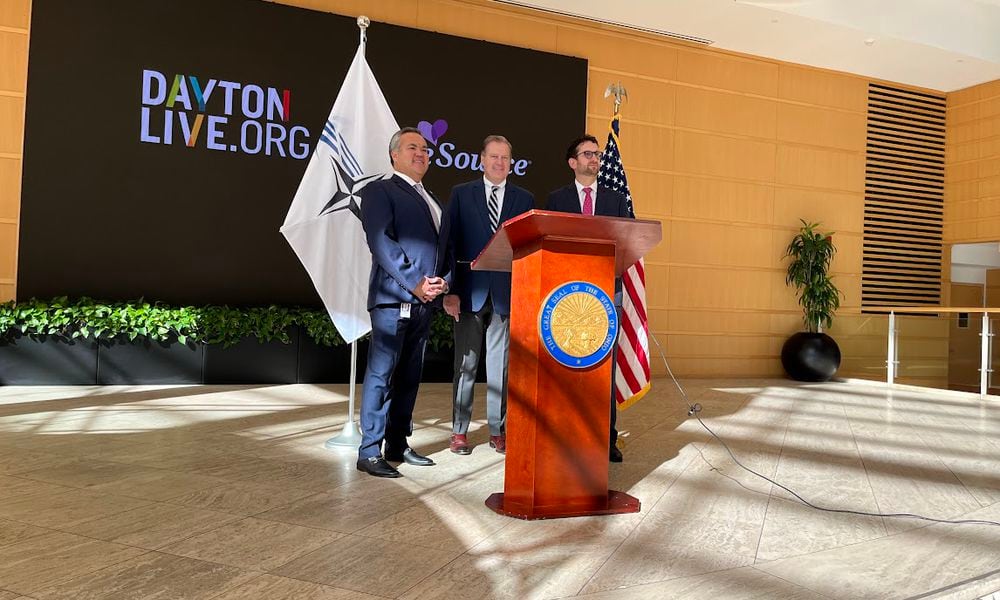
(494, 206)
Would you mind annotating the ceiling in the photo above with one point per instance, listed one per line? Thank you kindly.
(943, 45)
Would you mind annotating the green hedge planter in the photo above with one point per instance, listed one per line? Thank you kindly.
(63, 342)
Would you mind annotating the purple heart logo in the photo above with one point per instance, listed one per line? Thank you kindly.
(435, 132)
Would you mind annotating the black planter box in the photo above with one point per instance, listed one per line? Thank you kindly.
(142, 361)
(47, 360)
(250, 361)
(329, 364)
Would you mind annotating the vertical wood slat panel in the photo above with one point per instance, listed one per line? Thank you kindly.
(904, 198)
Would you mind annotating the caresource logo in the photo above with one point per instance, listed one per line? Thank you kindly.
(219, 115)
(445, 156)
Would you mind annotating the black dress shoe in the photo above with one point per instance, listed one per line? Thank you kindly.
(614, 454)
(377, 466)
(410, 457)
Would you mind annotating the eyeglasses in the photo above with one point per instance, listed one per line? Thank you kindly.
(589, 154)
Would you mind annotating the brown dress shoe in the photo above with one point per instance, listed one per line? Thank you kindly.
(499, 443)
(460, 444)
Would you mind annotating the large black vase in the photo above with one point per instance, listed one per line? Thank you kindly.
(810, 356)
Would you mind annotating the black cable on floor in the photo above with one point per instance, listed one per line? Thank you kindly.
(694, 409)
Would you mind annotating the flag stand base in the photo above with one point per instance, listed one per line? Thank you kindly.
(348, 436)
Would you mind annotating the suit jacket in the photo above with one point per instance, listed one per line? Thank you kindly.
(469, 220)
(609, 204)
(403, 241)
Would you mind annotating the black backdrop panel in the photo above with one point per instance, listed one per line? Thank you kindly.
(111, 211)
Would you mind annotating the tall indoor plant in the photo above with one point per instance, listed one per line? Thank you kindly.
(812, 355)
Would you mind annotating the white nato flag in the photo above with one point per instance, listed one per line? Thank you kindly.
(323, 224)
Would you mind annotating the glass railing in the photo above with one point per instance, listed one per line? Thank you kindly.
(941, 346)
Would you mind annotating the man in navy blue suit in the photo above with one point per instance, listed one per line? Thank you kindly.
(585, 196)
(407, 234)
(481, 299)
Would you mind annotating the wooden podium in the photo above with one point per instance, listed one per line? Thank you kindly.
(558, 415)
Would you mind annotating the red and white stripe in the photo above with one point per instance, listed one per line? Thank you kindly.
(632, 377)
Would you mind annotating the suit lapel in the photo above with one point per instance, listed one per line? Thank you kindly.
(412, 191)
(573, 199)
(509, 201)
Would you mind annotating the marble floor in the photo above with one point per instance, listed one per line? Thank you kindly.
(227, 492)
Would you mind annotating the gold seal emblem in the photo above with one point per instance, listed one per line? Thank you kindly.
(579, 324)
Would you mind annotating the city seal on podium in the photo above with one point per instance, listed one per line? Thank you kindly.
(578, 324)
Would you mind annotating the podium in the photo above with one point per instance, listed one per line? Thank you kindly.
(563, 328)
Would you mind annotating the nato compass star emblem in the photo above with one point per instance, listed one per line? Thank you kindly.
(348, 189)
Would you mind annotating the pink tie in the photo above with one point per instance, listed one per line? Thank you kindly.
(588, 202)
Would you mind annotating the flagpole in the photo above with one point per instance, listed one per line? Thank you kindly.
(349, 435)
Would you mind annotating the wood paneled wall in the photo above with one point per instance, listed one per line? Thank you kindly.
(728, 151)
(14, 23)
(972, 165)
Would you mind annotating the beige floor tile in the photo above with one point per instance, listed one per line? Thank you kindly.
(14, 487)
(85, 473)
(230, 467)
(909, 480)
(474, 577)
(12, 532)
(253, 544)
(315, 453)
(669, 546)
(699, 527)
(45, 560)
(745, 583)
(158, 484)
(792, 529)
(347, 508)
(14, 461)
(66, 508)
(439, 521)
(710, 493)
(302, 475)
(273, 587)
(153, 526)
(584, 542)
(153, 575)
(354, 562)
(242, 499)
(898, 566)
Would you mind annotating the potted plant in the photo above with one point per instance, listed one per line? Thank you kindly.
(812, 355)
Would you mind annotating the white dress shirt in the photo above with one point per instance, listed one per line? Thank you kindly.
(593, 194)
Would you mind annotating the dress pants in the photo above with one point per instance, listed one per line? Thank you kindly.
(395, 364)
(468, 342)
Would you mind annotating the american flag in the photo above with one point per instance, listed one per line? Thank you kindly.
(632, 378)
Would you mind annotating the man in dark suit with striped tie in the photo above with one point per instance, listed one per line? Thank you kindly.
(585, 196)
(480, 300)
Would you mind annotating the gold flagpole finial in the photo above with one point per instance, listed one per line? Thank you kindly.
(618, 90)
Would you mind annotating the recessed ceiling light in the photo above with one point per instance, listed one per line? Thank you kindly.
(869, 41)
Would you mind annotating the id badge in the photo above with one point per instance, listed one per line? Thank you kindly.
(404, 311)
